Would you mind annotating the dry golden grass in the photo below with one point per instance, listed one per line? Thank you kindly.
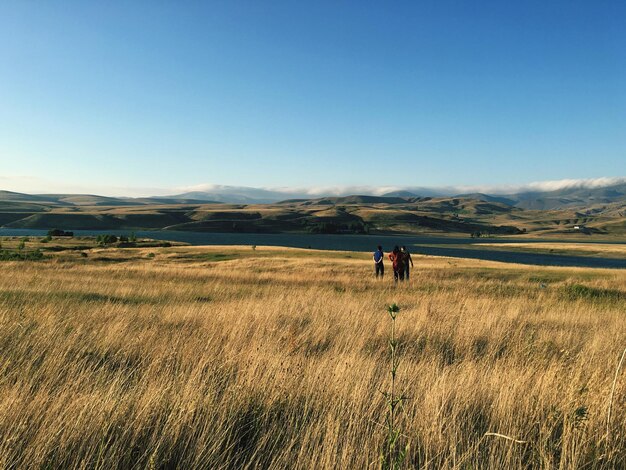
(234, 358)
(602, 249)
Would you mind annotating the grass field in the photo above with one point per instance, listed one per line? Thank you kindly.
(226, 357)
(583, 249)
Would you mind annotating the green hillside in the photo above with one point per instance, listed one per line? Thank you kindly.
(470, 214)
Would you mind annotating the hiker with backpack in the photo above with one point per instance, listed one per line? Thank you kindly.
(397, 260)
(407, 260)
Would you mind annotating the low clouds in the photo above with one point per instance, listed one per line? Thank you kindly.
(286, 192)
(34, 185)
(584, 183)
(541, 186)
(320, 191)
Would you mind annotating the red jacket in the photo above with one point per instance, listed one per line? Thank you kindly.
(397, 260)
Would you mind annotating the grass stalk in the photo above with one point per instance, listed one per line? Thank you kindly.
(608, 417)
(393, 456)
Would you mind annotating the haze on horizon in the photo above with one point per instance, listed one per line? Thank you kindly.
(145, 98)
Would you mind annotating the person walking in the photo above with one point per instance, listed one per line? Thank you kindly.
(397, 261)
(379, 266)
(407, 260)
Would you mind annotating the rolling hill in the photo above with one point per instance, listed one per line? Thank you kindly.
(566, 197)
(570, 197)
(599, 211)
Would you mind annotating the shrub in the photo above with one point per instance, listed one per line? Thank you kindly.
(7, 255)
(358, 227)
(106, 239)
(55, 232)
(323, 227)
(579, 291)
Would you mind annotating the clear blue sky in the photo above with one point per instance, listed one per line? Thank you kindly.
(167, 94)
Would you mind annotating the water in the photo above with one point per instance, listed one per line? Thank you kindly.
(366, 243)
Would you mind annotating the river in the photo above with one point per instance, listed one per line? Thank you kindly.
(367, 243)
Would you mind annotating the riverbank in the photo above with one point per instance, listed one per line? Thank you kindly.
(457, 247)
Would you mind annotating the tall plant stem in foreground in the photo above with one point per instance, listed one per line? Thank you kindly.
(608, 417)
(392, 457)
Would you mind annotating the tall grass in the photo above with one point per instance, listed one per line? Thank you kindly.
(275, 361)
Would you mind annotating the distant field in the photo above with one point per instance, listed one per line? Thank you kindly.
(585, 249)
(234, 357)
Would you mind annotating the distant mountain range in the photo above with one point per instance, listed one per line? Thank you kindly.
(574, 210)
(570, 197)
(565, 198)
(68, 200)
(573, 197)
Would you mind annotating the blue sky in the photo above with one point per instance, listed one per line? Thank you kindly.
(108, 96)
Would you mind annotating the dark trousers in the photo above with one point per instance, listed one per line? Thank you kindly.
(398, 274)
(407, 270)
(380, 269)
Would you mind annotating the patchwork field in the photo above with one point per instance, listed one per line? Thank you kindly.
(234, 357)
(584, 249)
